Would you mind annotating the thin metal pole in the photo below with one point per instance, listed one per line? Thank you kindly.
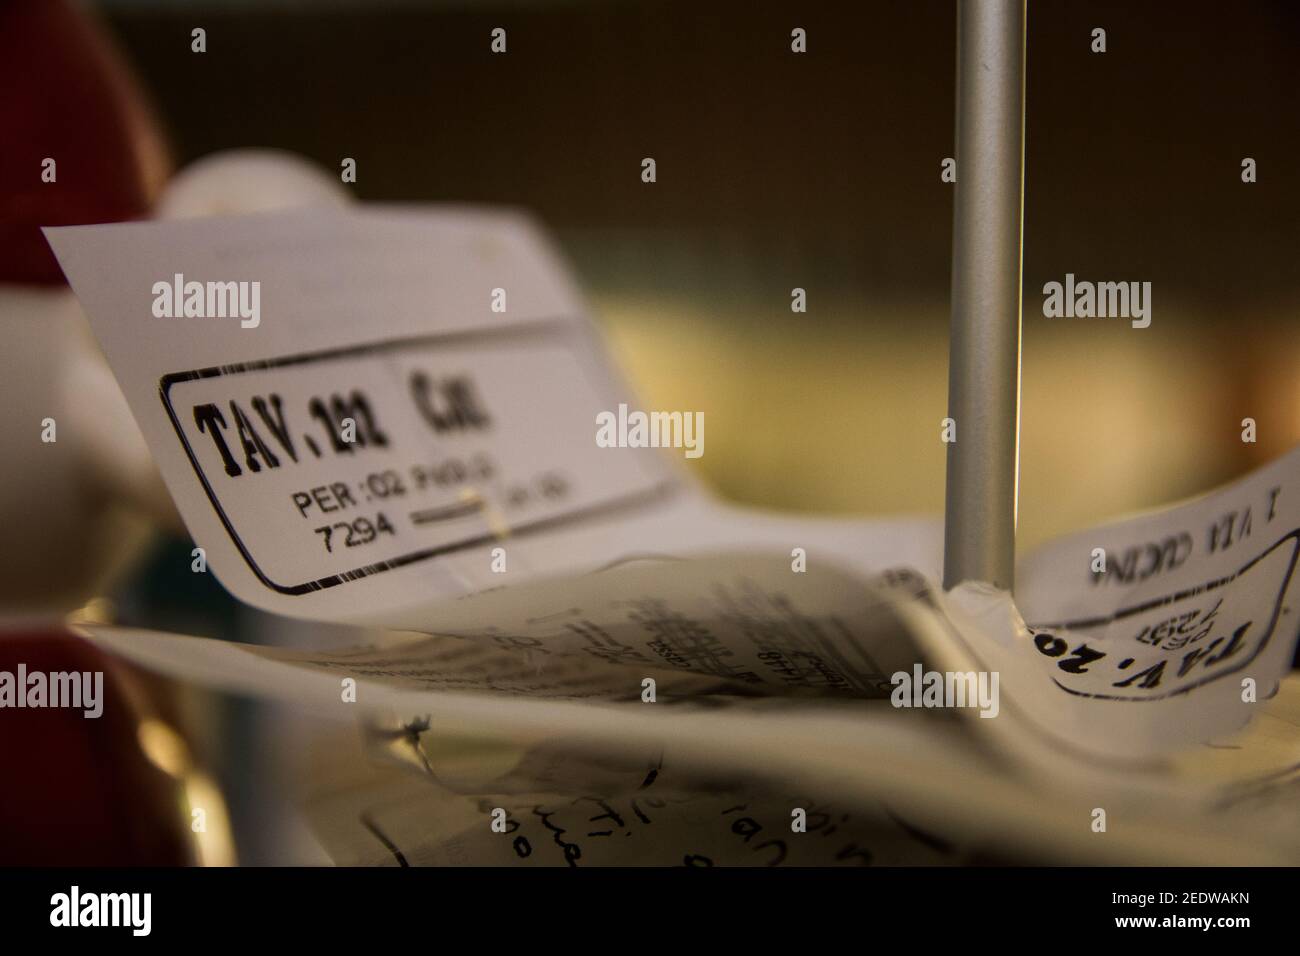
(984, 356)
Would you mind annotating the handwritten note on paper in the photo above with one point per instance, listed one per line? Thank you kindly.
(561, 806)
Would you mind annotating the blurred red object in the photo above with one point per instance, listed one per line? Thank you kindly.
(76, 791)
(79, 791)
(68, 97)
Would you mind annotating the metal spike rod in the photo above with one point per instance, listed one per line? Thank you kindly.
(984, 354)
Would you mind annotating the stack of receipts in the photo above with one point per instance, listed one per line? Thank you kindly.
(574, 655)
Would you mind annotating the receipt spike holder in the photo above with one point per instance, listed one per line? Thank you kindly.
(984, 354)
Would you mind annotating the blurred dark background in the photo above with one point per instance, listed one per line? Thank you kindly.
(822, 171)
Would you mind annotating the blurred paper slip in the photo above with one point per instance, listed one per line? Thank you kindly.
(419, 390)
(714, 799)
(729, 624)
(930, 770)
(567, 808)
(1190, 625)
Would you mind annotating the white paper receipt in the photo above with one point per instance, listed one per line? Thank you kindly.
(412, 387)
